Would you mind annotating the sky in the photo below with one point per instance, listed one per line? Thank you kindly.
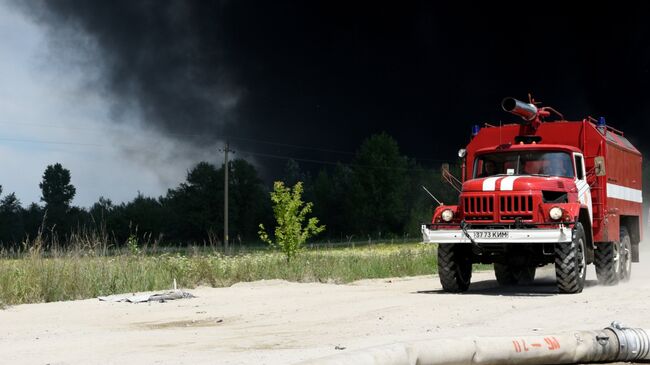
(50, 112)
(128, 95)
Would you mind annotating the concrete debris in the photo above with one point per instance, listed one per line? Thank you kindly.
(141, 298)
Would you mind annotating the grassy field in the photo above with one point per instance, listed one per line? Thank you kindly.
(35, 277)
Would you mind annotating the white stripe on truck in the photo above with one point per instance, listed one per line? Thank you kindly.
(508, 182)
(490, 183)
(624, 193)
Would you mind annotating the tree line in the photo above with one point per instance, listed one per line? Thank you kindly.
(378, 194)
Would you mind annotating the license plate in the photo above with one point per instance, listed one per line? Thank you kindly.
(490, 235)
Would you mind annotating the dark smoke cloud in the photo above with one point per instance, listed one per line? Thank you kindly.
(330, 73)
(166, 58)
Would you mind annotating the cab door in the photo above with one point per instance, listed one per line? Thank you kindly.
(584, 192)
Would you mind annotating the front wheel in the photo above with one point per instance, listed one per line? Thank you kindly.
(454, 267)
(570, 262)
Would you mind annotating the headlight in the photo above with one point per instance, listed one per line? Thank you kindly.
(555, 213)
(447, 215)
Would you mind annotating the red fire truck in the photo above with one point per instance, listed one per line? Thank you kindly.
(538, 192)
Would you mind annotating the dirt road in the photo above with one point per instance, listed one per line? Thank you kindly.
(275, 322)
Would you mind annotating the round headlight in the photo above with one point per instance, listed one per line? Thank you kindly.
(555, 213)
(447, 215)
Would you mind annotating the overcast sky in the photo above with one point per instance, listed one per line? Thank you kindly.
(48, 116)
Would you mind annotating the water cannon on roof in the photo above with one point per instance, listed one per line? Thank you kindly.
(531, 115)
(527, 111)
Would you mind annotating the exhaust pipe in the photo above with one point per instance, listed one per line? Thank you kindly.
(614, 343)
(525, 110)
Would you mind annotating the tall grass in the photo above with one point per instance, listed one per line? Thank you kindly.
(89, 271)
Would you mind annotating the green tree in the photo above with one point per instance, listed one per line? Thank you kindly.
(12, 228)
(57, 194)
(249, 204)
(56, 188)
(292, 173)
(332, 201)
(10, 204)
(101, 210)
(33, 219)
(143, 216)
(420, 204)
(379, 190)
(195, 207)
(290, 213)
(194, 210)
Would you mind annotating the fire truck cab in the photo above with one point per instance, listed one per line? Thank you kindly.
(541, 192)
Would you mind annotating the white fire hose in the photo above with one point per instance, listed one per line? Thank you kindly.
(614, 343)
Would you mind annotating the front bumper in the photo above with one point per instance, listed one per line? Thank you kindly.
(523, 235)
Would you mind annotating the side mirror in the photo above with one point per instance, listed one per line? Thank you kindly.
(599, 166)
(449, 178)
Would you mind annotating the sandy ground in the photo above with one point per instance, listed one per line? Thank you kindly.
(276, 322)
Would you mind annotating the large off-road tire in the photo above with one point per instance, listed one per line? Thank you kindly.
(527, 275)
(504, 274)
(571, 263)
(607, 261)
(625, 256)
(454, 267)
(512, 275)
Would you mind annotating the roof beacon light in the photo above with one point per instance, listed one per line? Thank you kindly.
(475, 129)
(601, 125)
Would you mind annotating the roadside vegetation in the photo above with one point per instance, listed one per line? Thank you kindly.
(86, 272)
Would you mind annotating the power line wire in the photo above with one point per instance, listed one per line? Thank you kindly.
(171, 134)
(280, 157)
(250, 153)
(324, 150)
(50, 142)
(324, 162)
(104, 130)
(293, 145)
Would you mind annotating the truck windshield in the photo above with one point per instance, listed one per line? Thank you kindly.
(524, 163)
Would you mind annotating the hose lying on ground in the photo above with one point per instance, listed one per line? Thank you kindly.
(613, 343)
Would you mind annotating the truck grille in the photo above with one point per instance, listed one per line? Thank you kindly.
(514, 206)
(491, 208)
(478, 207)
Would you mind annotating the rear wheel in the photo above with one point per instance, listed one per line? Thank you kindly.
(606, 259)
(625, 256)
(454, 267)
(570, 262)
(512, 274)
